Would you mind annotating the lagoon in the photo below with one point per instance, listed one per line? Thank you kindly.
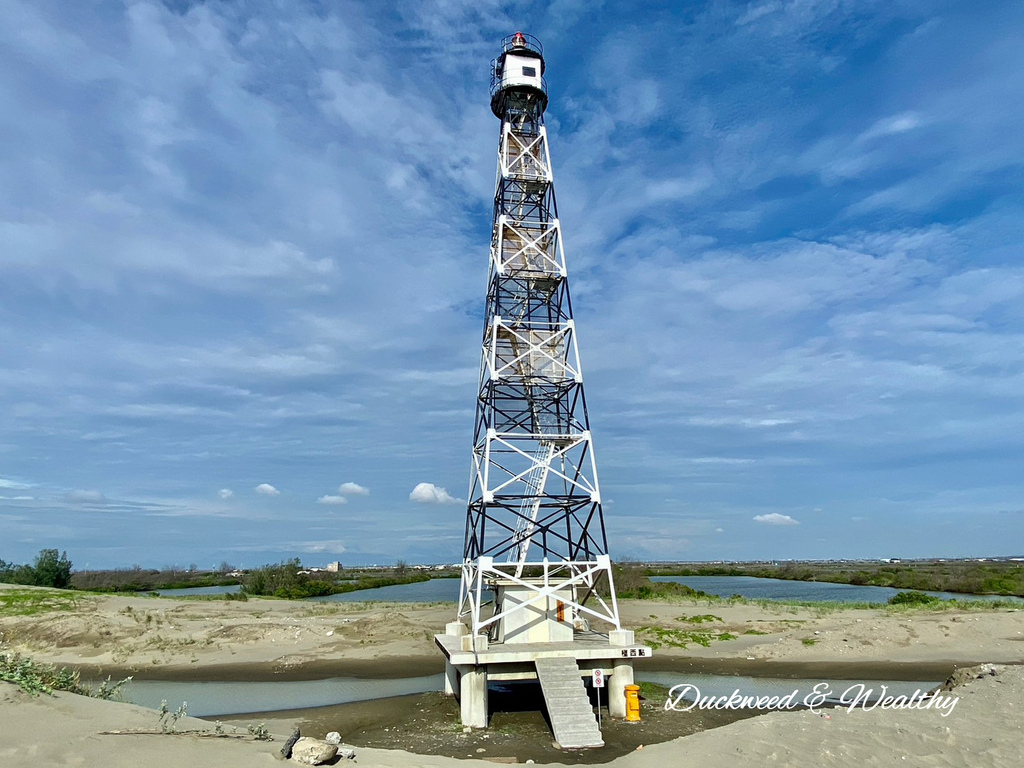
(750, 587)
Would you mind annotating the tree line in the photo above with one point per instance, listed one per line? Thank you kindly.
(289, 580)
(50, 569)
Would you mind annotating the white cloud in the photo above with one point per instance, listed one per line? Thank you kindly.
(267, 489)
(428, 493)
(332, 500)
(12, 485)
(85, 497)
(776, 519)
(322, 547)
(225, 493)
(353, 489)
(719, 530)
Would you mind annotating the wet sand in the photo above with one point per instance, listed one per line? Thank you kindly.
(428, 724)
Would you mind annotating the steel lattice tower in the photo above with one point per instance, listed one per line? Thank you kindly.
(534, 517)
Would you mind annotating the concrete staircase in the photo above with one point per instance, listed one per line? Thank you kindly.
(572, 717)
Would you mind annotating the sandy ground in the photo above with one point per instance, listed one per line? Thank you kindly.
(267, 639)
(134, 634)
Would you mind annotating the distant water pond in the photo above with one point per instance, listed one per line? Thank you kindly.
(754, 588)
(433, 591)
(751, 587)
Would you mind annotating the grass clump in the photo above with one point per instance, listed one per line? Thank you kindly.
(658, 637)
(29, 602)
(652, 691)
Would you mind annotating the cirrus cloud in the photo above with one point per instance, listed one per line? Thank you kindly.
(85, 497)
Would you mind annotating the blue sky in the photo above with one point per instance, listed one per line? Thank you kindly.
(243, 252)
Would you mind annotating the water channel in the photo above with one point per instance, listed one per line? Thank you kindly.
(209, 699)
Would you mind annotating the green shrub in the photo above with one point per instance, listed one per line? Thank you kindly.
(913, 597)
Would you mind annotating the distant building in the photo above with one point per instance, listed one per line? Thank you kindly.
(334, 567)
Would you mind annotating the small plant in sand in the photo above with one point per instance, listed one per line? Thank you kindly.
(169, 720)
(259, 732)
(657, 637)
(35, 678)
(109, 690)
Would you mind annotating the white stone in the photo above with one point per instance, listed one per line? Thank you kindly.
(333, 738)
(313, 751)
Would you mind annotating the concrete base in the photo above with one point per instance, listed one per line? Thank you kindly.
(451, 679)
(622, 675)
(470, 662)
(473, 696)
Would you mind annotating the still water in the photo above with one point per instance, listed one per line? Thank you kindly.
(208, 699)
(447, 591)
(222, 698)
(755, 588)
(433, 591)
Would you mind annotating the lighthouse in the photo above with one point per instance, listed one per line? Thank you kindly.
(537, 597)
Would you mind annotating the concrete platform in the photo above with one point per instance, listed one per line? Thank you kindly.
(472, 661)
(584, 646)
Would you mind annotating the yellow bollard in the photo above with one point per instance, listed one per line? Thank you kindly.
(632, 703)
